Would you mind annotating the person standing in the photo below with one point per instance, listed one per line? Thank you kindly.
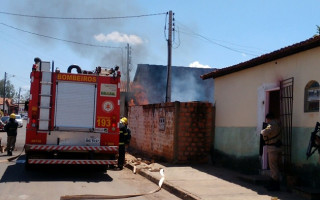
(11, 129)
(272, 137)
(123, 138)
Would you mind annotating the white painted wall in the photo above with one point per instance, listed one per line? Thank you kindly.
(239, 96)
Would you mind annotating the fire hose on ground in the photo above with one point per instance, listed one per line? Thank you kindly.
(13, 157)
(91, 196)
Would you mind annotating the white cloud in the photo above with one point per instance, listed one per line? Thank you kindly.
(198, 65)
(119, 37)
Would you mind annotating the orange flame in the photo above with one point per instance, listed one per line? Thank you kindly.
(131, 102)
(139, 94)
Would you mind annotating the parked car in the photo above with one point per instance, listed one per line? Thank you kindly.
(19, 120)
(1, 126)
(25, 117)
(5, 119)
(3, 122)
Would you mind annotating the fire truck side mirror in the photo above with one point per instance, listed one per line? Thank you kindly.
(26, 105)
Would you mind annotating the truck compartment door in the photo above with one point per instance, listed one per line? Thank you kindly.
(75, 106)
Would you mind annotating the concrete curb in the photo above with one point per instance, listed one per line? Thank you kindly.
(166, 185)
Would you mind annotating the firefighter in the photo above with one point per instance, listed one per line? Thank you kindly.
(11, 129)
(123, 141)
(272, 137)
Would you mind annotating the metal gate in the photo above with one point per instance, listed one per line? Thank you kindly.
(286, 105)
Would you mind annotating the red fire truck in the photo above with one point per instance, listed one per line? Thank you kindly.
(73, 118)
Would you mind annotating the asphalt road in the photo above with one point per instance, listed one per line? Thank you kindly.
(51, 183)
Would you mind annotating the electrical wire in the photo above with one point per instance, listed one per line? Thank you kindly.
(79, 18)
(218, 44)
(25, 45)
(165, 27)
(54, 38)
(179, 42)
(246, 51)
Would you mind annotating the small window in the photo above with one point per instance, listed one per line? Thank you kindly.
(311, 97)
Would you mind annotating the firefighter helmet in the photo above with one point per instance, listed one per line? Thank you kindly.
(13, 116)
(124, 120)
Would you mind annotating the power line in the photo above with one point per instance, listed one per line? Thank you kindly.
(179, 42)
(165, 26)
(80, 18)
(192, 33)
(26, 81)
(54, 38)
(226, 47)
(21, 44)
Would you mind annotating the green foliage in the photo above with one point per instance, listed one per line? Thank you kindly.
(10, 91)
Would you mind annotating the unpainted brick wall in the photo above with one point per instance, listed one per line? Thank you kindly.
(187, 136)
(195, 132)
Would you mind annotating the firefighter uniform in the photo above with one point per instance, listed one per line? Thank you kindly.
(11, 129)
(272, 137)
(124, 139)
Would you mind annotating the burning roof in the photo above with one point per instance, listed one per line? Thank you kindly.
(149, 84)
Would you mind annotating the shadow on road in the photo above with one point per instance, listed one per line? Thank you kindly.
(18, 173)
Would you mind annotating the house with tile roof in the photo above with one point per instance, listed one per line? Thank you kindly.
(284, 82)
(9, 106)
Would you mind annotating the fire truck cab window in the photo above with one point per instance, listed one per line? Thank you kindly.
(311, 97)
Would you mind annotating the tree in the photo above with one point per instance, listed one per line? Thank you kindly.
(24, 95)
(10, 91)
(318, 31)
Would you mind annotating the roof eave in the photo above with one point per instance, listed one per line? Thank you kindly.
(287, 51)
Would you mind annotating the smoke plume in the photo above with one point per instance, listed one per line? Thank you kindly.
(98, 32)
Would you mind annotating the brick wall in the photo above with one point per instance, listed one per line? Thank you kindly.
(175, 132)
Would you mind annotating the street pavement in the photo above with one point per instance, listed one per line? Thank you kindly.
(206, 182)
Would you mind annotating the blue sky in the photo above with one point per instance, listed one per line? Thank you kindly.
(214, 33)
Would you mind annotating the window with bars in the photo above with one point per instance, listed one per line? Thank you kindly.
(312, 97)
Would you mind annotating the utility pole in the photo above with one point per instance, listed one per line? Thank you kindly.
(19, 101)
(4, 89)
(128, 66)
(128, 79)
(168, 89)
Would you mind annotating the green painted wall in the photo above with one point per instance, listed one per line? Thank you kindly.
(238, 148)
(307, 170)
(300, 142)
(237, 141)
(244, 141)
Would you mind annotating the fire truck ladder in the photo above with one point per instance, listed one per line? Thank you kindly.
(45, 97)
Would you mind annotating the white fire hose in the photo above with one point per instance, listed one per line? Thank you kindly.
(91, 196)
